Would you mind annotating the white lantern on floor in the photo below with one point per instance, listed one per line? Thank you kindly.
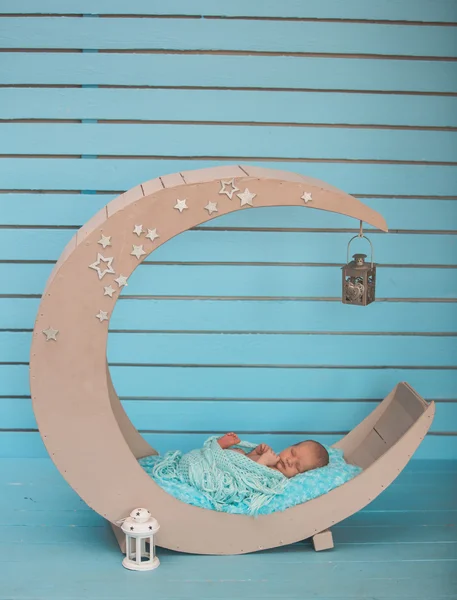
(139, 530)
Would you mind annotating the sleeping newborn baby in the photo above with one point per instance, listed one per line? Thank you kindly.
(296, 459)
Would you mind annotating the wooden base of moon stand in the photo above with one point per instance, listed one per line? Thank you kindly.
(323, 540)
(71, 386)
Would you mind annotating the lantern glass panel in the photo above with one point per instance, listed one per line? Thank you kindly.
(359, 284)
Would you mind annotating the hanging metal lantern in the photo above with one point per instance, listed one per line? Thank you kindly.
(359, 277)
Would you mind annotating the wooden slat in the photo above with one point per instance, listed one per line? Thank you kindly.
(23, 445)
(237, 141)
(247, 247)
(239, 416)
(170, 181)
(387, 526)
(403, 10)
(207, 579)
(232, 106)
(228, 35)
(111, 174)
(245, 383)
(58, 534)
(270, 72)
(73, 210)
(280, 349)
(249, 281)
(44, 472)
(260, 315)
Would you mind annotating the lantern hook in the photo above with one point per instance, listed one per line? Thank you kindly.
(360, 235)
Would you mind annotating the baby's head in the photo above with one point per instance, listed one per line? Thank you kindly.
(302, 457)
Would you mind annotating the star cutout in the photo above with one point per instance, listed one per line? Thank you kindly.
(51, 334)
(102, 316)
(104, 241)
(211, 207)
(246, 197)
(307, 197)
(109, 291)
(232, 189)
(121, 281)
(152, 234)
(96, 265)
(181, 205)
(138, 229)
(131, 528)
(138, 251)
(150, 527)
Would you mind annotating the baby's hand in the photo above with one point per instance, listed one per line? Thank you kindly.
(262, 449)
(269, 458)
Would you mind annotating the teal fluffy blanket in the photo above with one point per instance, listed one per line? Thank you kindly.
(297, 490)
(222, 476)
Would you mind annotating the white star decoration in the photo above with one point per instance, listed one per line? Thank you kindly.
(121, 281)
(109, 291)
(138, 251)
(230, 191)
(211, 207)
(96, 265)
(102, 316)
(181, 205)
(307, 197)
(51, 334)
(246, 197)
(138, 229)
(152, 234)
(104, 241)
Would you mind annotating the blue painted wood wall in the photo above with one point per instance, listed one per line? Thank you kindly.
(237, 325)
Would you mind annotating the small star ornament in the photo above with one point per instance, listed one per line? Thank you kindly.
(96, 265)
(121, 281)
(102, 316)
(307, 197)
(211, 207)
(152, 234)
(51, 334)
(138, 229)
(109, 291)
(104, 241)
(246, 197)
(138, 251)
(228, 188)
(181, 205)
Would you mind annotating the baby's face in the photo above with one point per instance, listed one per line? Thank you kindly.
(294, 460)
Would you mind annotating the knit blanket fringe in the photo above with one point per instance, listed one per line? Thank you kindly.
(223, 476)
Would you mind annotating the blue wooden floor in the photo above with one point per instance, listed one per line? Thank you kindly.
(404, 545)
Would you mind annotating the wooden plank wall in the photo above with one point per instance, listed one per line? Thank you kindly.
(237, 324)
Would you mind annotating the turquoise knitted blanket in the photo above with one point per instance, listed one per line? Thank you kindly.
(299, 489)
(222, 476)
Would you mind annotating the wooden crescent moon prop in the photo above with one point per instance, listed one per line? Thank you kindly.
(80, 417)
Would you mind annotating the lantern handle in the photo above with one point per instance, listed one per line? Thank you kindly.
(369, 241)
